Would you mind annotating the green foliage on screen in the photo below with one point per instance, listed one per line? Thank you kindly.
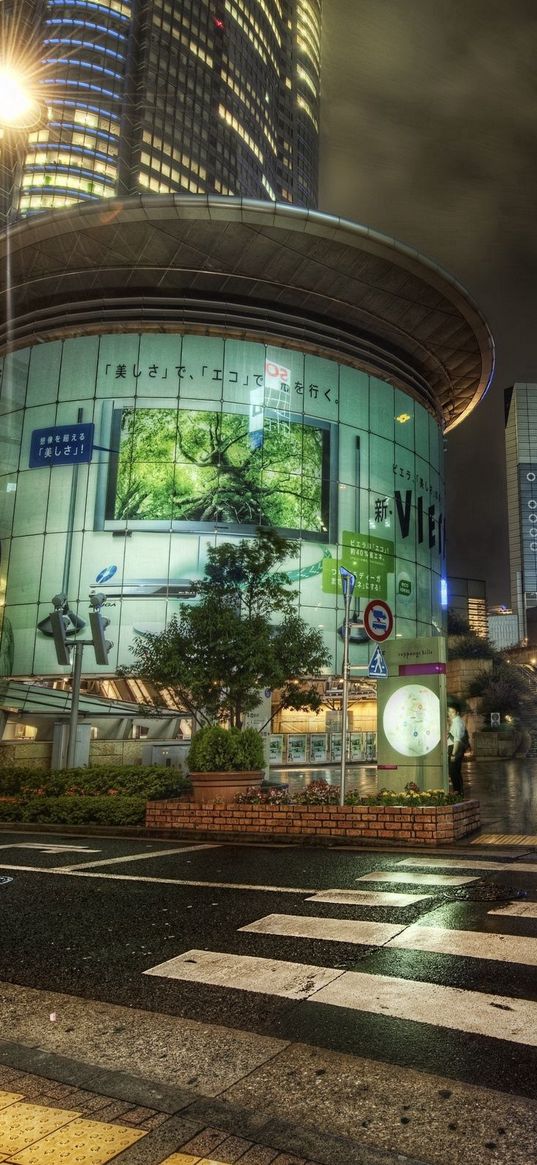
(200, 467)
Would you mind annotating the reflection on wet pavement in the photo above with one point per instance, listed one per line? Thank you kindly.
(506, 789)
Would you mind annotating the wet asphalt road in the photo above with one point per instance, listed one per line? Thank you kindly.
(94, 936)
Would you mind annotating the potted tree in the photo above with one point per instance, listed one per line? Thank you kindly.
(224, 761)
(243, 635)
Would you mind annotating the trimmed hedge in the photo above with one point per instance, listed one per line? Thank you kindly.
(75, 810)
(149, 781)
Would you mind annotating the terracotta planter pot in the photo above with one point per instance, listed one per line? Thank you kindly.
(222, 786)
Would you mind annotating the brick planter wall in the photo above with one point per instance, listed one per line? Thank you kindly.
(333, 824)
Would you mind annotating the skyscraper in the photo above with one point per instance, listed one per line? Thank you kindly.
(521, 461)
(174, 96)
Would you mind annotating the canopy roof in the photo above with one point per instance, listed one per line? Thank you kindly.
(259, 270)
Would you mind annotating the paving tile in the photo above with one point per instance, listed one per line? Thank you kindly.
(205, 1142)
(114, 1110)
(137, 1116)
(154, 1122)
(10, 1098)
(81, 1142)
(258, 1155)
(231, 1150)
(22, 1124)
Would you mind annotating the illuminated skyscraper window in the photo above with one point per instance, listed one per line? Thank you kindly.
(199, 96)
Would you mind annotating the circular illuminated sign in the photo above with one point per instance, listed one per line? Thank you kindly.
(411, 720)
(378, 620)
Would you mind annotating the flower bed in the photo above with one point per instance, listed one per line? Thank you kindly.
(406, 824)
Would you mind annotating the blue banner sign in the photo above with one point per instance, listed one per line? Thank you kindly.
(61, 445)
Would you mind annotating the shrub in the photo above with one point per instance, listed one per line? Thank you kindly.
(255, 795)
(151, 781)
(220, 750)
(390, 797)
(318, 793)
(75, 810)
(321, 793)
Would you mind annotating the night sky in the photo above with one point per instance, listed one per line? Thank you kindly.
(429, 134)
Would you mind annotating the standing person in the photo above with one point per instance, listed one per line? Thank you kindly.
(456, 746)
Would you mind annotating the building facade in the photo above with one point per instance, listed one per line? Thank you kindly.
(521, 463)
(153, 406)
(168, 96)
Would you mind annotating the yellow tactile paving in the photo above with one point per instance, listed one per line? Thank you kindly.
(22, 1124)
(81, 1142)
(188, 1159)
(506, 839)
(182, 1159)
(9, 1098)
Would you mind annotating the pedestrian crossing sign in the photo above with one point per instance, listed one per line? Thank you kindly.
(377, 665)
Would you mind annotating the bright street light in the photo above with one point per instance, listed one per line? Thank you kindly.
(19, 109)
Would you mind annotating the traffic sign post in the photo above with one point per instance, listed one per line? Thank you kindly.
(378, 620)
(348, 582)
(377, 666)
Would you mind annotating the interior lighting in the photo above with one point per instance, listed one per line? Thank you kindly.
(403, 418)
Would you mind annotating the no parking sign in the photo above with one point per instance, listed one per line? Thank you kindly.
(378, 620)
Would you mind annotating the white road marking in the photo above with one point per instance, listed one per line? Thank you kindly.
(244, 973)
(367, 898)
(51, 847)
(456, 864)
(159, 853)
(496, 1016)
(418, 879)
(471, 944)
(452, 864)
(338, 930)
(517, 910)
(68, 872)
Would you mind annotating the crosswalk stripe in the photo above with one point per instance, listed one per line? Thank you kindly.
(456, 864)
(367, 898)
(517, 910)
(419, 879)
(442, 863)
(246, 973)
(339, 930)
(472, 944)
(496, 1016)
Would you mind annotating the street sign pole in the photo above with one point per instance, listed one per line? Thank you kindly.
(78, 649)
(348, 582)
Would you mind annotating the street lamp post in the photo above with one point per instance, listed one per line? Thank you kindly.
(348, 582)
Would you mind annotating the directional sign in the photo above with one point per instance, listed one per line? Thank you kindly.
(377, 666)
(378, 620)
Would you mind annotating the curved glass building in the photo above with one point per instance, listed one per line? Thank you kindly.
(182, 370)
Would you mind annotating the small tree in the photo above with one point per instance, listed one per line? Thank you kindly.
(220, 651)
(505, 689)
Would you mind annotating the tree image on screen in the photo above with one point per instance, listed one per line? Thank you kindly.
(200, 467)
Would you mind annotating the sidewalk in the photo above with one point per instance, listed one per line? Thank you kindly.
(141, 1088)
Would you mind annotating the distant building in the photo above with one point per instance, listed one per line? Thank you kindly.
(467, 597)
(521, 461)
(503, 628)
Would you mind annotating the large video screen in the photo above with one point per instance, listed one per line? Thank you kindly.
(197, 467)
